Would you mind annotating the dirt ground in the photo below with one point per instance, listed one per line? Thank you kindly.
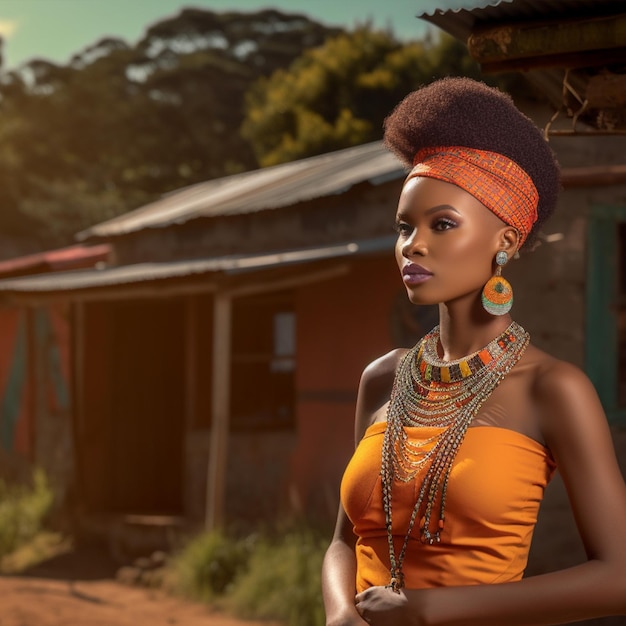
(80, 590)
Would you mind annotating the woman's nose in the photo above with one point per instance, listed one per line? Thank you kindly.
(414, 245)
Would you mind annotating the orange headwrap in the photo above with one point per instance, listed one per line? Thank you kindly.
(493, 179)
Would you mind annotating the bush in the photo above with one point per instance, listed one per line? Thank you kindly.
(23, 510)
(283, 580)
(44, 546)
(208, 564)
(275, 577)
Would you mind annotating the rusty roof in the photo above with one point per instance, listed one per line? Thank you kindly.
(583, 82)
(263, 189)
(72, 257)
(458, 17)
(89, 279)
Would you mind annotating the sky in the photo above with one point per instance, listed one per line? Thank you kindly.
(57, 29)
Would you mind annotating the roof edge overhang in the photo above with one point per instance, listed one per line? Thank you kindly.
(231, 273)
(562, 43)
(573, 51)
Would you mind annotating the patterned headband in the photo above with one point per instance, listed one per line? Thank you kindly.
(493, 179)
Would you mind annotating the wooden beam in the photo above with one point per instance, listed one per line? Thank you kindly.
(220, 411)
(165, 288)
(190, 377)
(141, 289)
(77, 379)
(565, 132)
(593, 176)
(572, 60)
(35, 383)
(191, 361)
(540, 39)
(255, 287)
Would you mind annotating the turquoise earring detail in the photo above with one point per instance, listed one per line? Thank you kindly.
(497, 297)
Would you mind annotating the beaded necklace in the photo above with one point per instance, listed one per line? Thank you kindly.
(430, 392)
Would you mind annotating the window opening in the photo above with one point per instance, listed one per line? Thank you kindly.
(263, 361)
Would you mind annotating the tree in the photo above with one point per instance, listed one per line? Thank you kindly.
(338, 95)
(120, 125)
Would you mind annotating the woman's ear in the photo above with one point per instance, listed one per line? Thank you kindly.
(510, 240)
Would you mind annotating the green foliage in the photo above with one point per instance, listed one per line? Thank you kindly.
(200, 96)
(69, 206)
(23, 510)
(45, 545)
(208, 564)
(276, 577)
(338, 95)
(283, 580)
(121, 124)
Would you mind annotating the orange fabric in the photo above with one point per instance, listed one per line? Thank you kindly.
(493, 179)
(495, 489)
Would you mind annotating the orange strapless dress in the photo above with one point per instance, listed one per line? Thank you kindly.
(496, 486)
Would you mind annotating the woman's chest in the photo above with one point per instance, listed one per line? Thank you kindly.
(496, 474)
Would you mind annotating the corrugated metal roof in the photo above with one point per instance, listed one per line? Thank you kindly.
(267, 188)
(428, 7)
(142, 272)
(462, 18)
(458, 17)
(72, 257)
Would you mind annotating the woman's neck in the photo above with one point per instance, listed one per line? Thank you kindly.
(464, 332)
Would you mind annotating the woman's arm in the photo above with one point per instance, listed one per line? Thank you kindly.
(339, 569)
(339, 576)
(575, 429)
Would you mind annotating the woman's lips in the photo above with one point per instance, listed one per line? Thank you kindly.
(413, 274)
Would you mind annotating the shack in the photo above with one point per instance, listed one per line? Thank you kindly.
(213, 363)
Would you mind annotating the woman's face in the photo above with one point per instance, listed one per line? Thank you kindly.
(447, 241)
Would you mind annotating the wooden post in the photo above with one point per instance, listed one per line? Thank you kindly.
(220, 411)
(34, 383)
(191, 361)
(191, 390)
(220, 385)
(77, 404)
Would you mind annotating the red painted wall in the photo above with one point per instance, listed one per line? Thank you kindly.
(343, 325)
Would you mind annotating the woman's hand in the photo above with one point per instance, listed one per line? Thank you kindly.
(381, 606)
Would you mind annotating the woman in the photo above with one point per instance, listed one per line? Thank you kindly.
(458, 437)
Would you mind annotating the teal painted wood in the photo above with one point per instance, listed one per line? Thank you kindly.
(610, 212)
(601, 355)
(618, 418)
(11, 402)
(47, 341)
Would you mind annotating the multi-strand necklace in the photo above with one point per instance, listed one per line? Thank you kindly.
(430, 392)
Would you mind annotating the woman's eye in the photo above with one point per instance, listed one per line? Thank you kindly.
(403, 229)
(444, 224)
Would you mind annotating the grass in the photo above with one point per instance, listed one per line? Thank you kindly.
(43, 546)
(208, 565)
(282, 580)
(262, 576)
(23, 509)
(269, 576)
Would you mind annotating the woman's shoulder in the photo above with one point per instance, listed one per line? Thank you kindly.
(375, 389)
(553, 375)
(384, 367)
(562, 392)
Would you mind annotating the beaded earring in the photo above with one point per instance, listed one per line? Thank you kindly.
(497, 297)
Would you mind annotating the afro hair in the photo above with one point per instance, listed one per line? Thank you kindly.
(465, 112)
